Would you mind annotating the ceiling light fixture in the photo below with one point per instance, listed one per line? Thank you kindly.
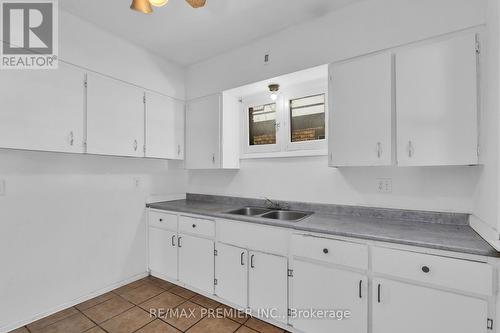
(274, 88)
(144, 6)
(158, 3)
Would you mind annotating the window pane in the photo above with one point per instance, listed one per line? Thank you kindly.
(262, 124)
(307, 118)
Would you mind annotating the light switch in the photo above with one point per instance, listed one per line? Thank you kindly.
(384, 185)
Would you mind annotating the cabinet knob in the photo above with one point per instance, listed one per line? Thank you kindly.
(161, 220)
(325, 251)
(194, 225)
(426, 269)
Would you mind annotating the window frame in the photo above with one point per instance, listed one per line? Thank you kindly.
(269, 148)
(284, 146)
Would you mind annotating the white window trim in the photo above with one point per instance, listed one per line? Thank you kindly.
(284, 147)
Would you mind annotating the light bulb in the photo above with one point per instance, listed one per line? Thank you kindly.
(158, 3)
(274, 96)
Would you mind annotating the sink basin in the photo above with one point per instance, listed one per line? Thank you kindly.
(286, 215)
(249, 211)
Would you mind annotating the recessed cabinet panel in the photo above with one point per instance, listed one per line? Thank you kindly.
(164, 127)
(115, 118)
(267, 284)
(400, 307)
(231, 267)
(436, 103)
(361, 112)
(42, 109)
(203, 138)
(316, 286)
(196, 262)
(163, 253)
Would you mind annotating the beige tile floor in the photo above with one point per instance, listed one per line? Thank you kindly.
(127, 309)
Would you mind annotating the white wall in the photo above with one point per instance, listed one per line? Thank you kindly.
(364, 27)
(73, 225)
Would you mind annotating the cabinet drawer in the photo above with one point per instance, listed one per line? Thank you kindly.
(469, 276)
(196, 226)
(163, 220)
(330, 250)
(254, 237)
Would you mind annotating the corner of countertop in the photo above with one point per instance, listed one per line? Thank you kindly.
(153, 198)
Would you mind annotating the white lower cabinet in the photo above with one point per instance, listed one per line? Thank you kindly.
(400, 307)
(196, 262)
(231, 272)
(163, 252)
(268, 285)
(319, 287)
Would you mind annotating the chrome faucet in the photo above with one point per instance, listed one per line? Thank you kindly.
(273, 204)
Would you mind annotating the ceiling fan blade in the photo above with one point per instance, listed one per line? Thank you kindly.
(196, 3)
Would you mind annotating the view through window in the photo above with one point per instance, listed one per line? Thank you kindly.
(262, 124)
(307, 118)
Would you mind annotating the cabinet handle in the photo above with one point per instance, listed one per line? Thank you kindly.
(178, 149)
(325, 251)
(173, 240)
(213, 158)
(71, 138)
(251, 261)
(426, 269)
(179, 242)
(161, 220)
(242, 259)
(378, 293)
(379, 149)
(135, 145)
(410, 149)
(194, 225)
(360, 288)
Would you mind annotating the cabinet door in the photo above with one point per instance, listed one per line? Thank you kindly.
(231, 273)
(42, 109)
(115, 118)
(361, 112)
(407, 308)
(164, 127)
(163, 252)
(268, 285)
(436, 93)
(319, 287)
(196, 262)
(203, 133)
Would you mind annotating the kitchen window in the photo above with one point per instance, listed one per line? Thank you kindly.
(293, 125)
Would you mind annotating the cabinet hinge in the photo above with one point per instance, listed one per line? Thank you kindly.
(478, 45)
(290, 273)
(489, 324)
(85, 82)
(289, 312)
(216, 253)
(215, 282)
(478, 150)
(144, 149)
(144, 98)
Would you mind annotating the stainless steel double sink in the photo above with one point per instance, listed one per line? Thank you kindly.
(269, 213)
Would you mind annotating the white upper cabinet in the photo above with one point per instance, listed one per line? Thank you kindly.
(437, 103)
(42, 109)
(361, 112)
(115, 118)
(164, 127)
(212, 140)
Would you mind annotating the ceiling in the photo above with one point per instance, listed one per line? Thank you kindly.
(185, 35)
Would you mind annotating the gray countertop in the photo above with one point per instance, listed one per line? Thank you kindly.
(451, 237)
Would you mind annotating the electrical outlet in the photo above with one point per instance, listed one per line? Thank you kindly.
(2, 187)
(384, 185)
(137, 183)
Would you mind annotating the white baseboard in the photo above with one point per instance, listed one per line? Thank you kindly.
(21, 323)
(486, 231)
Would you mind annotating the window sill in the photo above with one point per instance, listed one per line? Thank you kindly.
(285, 154)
